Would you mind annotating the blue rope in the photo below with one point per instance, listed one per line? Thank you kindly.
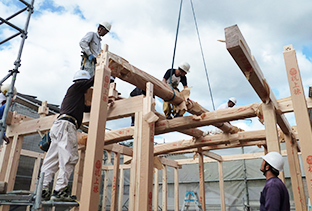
(174, 50)
(201, 49)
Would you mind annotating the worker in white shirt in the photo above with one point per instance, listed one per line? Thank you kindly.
(231, 102)
(91, 47)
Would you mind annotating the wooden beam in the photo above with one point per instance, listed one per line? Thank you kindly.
(164, 188)
(35, 174)
(118, 135)
(169, 162)
(209, 140)
(213, 155)
(94, 152)
(156, 190)
(301, 112)
(176, 189)
(117, 148)
(285, 105)
(221, 185)
(202, 190)
(121, 189)
(113, 205)
(5, 150)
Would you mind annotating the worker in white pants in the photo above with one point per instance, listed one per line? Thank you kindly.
(62, 154)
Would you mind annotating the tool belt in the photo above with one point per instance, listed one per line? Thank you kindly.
(68, 118)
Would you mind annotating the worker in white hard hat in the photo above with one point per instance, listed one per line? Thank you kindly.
(229, 104)
(173, 78)
(274, 195)
(62, 154)
(91, 47)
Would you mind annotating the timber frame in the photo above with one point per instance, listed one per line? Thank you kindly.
(144, 156)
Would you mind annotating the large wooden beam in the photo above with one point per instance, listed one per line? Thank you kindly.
(122, 69)
(209, 140)
(239, 50)
(285, 105)
(301, 112)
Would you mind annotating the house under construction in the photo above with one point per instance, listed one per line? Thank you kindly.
(146, 160)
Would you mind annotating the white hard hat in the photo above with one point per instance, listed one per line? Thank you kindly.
(275, 160)
(2, 98)
(81, 74)
(233, 100)
(6, 87)
(106, 25)
(185, 67)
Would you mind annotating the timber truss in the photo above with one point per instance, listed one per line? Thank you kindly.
(144, 156)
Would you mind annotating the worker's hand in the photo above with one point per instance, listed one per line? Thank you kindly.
(91, 57)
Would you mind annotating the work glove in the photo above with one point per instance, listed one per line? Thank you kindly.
(91, 57)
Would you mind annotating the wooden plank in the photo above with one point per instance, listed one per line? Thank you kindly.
(33, 154)
(176, 189)
(78, 173)
(301, 112)
(121, 189)
(209, 140)
(118, 135)
(221, 185)
(94, 152)
(156, 190)
(202, 190)
(113, 205)
(164, 188)
(104, 200)
(117, 148)
(295, 174)
(169, 162)
(131, 74)
(213, 155)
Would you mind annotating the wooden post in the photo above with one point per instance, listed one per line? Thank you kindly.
(35, 174)
(271, 132)
(176, 189)
(4, 158)
(301, 112)
(295, 174)
(221, 185)
(104, 200)
(113, 206)
(202, 190)
(77, 182)
(156, 190)
(94, 153)
(145, 153)
(164, 188)
(13, 161)
(121, 189)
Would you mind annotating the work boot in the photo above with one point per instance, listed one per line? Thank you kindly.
(45, 194)
(63, 195)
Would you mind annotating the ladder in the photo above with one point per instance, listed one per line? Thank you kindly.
(191, 196)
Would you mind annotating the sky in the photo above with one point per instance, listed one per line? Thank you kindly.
(143, 32)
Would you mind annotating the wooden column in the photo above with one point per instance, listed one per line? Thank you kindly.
(77, 181)
(121, 189)
(295, 174)
(221, 185)
(113, 206)
(271, 132)
(13, 161)
(301, 112)
(176, 189)
(94, 152)
(145, 161)
(104, 200)
(156, 189)
(164, 188)
(4, 158)
(35, 173)
(201, 180)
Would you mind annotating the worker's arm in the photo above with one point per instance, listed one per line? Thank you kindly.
(85, 43)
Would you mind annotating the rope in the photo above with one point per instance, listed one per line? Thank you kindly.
(201, 49)
(174, 50)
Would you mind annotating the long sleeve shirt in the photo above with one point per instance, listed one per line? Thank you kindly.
(91, 43)
(274, 196)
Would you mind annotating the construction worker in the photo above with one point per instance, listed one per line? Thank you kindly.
(4, 90)
(62, 155)
(231, 102)
(177, 76)
(274, 195)
(91, 47)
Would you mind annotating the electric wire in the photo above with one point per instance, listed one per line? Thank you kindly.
(201, 49)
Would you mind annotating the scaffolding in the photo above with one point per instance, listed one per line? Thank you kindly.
(144, 159)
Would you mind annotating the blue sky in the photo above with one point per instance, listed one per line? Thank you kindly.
(143, 33)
